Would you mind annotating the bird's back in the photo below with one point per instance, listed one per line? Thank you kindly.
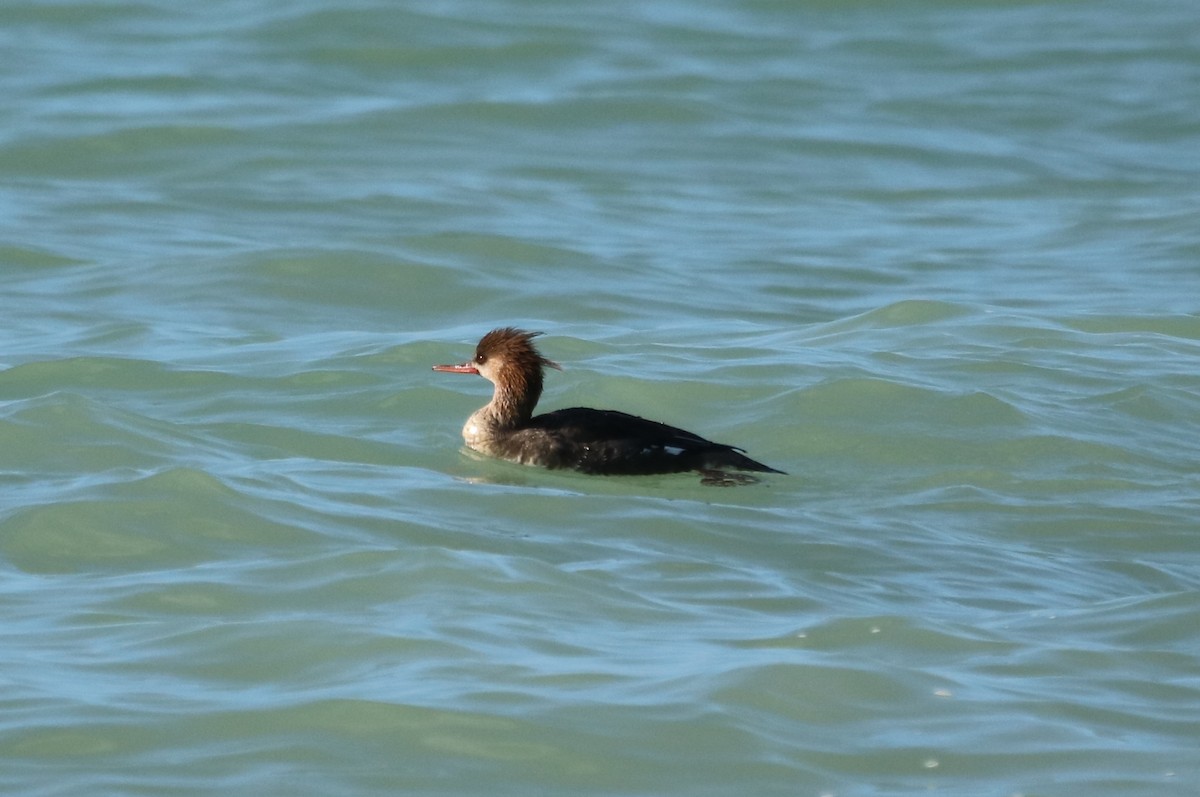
(617, 443)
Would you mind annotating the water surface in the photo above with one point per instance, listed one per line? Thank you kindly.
(937, 260)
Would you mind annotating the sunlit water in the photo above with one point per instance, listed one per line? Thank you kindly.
(939, 261)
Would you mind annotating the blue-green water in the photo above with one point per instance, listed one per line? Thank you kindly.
(938, 260)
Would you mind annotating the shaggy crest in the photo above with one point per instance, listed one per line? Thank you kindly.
(510, 351)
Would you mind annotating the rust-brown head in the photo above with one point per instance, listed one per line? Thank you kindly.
(507, 358)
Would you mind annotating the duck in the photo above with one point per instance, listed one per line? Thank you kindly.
(591, 441)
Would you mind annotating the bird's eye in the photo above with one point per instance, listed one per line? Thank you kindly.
(481, 358)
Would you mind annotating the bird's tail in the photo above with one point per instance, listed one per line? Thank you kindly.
(731, 457)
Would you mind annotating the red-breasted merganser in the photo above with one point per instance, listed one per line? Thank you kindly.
(587, 440)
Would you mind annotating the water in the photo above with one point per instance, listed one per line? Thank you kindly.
(937, 260)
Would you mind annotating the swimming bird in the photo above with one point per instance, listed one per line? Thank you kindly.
(604, 442)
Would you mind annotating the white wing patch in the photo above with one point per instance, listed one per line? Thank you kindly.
(671, 450)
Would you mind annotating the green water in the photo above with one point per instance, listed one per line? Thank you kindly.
(936, 260)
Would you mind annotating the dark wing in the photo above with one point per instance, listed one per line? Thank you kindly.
(607, 441)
